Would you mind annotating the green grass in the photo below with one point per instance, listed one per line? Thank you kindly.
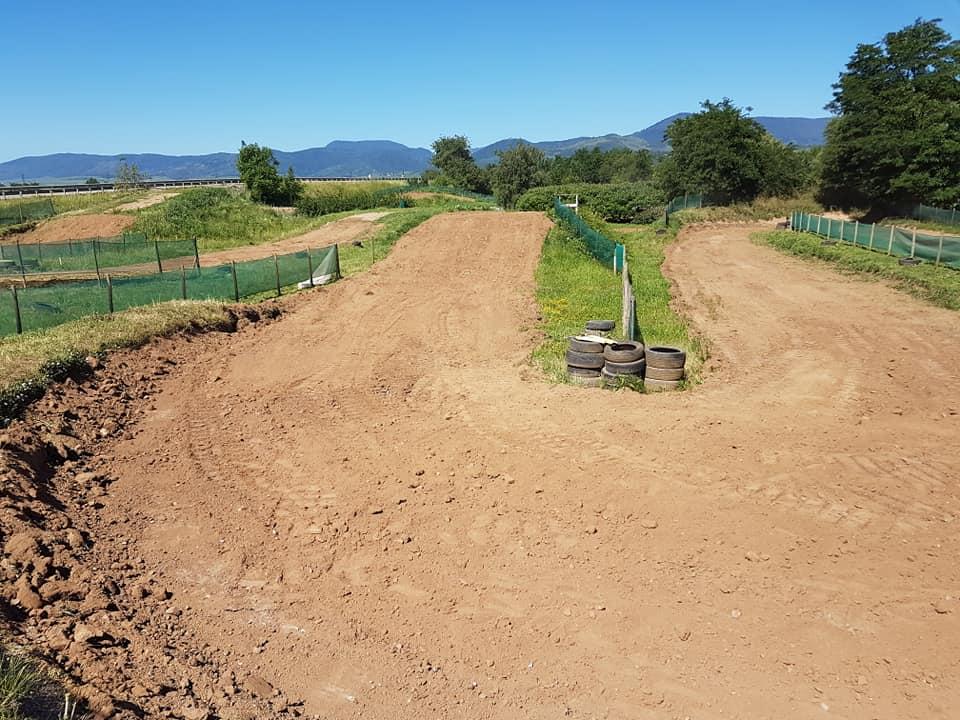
(27, 692)
(759, 209)
(86, 202)
(319, 189)
(936, 285)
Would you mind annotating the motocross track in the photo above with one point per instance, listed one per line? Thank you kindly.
(375, 506)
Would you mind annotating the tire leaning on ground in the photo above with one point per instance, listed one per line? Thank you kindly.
(601, 325)
(625, 368)
(665, 357)
(652, 384)
(623, 352)
(589, 360)
(582, 372)
(585, 380)
(585, 346)
(658, 373)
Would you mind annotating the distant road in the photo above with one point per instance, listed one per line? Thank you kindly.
(69, 189)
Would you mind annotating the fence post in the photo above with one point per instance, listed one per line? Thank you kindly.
(953, 215)
(20, 208)
(939, 250)
(336, 254)
(236, 287)
(872, 228)
(841, 229)
(819, 218)
(890, 243)
(310, 267)
(183, 282)
(276, 268)
(196, 254)
(16, 309)
(156, 246)
(109, 295)
(913, 245)
(23, 272)
(39, 255)
(856, 231)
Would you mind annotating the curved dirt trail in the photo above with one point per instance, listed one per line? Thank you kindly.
(374, 504)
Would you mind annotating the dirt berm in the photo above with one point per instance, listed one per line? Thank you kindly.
(374, 507)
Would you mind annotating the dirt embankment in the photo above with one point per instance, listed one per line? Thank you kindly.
(77, 227)
(374, 505)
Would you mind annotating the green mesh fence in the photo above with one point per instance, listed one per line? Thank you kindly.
(131, 249)
(43, 306)
(18, 212)
(601, 247)
(899, 242)
(938, 215)
(688, 202)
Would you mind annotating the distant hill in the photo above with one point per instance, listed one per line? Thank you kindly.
(343, 158)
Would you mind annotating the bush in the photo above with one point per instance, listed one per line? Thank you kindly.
(620, 202)
(341, 198)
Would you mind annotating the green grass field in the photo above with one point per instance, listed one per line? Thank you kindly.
(937, 285)
(85, 202)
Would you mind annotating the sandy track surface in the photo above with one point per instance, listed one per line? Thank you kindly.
(76, 227)
(374, 505)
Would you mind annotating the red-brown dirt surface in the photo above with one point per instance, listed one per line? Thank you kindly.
(77, 227)
(373, 507)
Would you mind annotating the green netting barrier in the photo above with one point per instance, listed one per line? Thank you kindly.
(688, 202)
(19, 212)
(932, 214)
(887, 239)
(601, 247)
(44, 306)
(130, 249)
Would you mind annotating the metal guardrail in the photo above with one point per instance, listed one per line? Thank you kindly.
(79, 188)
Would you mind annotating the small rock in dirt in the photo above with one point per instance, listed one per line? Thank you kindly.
(27, 597)
(735, 614)
(941, 607)
(258, 686)
(649, 523)
(22, 548)
(591, 530)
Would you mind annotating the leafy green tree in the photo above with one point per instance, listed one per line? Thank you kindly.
(896, 137)
(91, 181)
(258, 171)
(452, 157)
(128, 175)
(519, 169)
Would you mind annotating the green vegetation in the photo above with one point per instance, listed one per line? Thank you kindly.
(937, 285)
(326, 198)
(27, 692)
(456, 167)
(86, 202)
(128, 176)
(520, 168)
(258, 172)
(572, 288)
(624, 202)
(720, 151)
(896, 140)
(593, 166)
(937, 227)
(763, 208)
(221, 218)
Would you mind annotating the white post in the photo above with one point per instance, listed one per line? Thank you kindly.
(872, 228)
(939, 250)
(819, 218)
(856, 231)
(913, 246)
(829, 226)
(890, 244)
(953, 215)
(841, 229)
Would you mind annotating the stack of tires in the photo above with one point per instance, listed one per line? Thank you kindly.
(664, 368)
(603, 328)
(585, 361)
(622, 361)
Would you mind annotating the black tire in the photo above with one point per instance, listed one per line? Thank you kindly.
(909, 261)
(665, 357)
(582, 372)
(628, 368)
(601, 325)
(584, 380)
(585, 346)
(652, 384)
(657, 373)
(592, 361)
(622, 352)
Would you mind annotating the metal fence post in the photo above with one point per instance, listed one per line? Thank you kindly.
(310, 267)
(856, 231)
(819, 218)
(336, 255)
(109, 295)
(16, 309)
(96, 261)
(939, 250)
(276, 268)
(196, 254)
(841, 229)
(156, 246)
(890, 243)
(236, 287)
(913, 244)
(183, 282)
(872, 228)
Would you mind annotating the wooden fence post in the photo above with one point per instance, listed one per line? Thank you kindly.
(276, 268)
(196, 254)
(236, 287)
(310, 267)
(183, 282)
(156, 246)
(109, 295)
(16, 309)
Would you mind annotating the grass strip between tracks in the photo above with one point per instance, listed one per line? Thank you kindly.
(572, 287)
(936, 285)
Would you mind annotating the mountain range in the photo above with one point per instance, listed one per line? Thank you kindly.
(343, 158)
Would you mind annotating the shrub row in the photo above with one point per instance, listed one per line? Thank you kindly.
(619, 202)
(342, 198)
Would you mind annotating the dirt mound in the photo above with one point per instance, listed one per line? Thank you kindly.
(77, 227)
(375, 504)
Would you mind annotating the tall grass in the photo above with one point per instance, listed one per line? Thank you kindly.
(936, 285)
(87, 202)
(759, 209)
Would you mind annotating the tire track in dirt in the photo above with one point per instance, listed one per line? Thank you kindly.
(380, 488)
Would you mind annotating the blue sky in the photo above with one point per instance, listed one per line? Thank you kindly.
(194, 77)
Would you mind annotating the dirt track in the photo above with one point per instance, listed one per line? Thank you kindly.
(376, 506)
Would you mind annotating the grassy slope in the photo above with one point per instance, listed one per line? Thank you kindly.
(937, 285)
(943, 228)
(85, 202)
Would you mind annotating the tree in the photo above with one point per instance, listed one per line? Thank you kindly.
(519, 169)
(717, 151)
(452, 157)
(128, 175)
(896, 138)
(91, 181)
(258, 171)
